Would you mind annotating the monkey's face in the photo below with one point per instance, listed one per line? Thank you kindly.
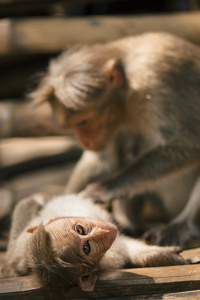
(93, 130)
(87, 93)
(95, 127)
(92, 237)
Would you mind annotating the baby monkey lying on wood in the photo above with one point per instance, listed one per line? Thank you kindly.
(67, 239)
(135, 106)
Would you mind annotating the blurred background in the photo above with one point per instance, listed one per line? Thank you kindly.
(31, 34)
(35, 153)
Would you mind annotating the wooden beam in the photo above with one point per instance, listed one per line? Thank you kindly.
(180, 280)
(122, 283)
(23, 155)
(19, 150)
(23, 119)
(54, 34)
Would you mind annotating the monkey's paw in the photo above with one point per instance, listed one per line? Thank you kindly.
(99, 193)
(176, 234)
(163, 256)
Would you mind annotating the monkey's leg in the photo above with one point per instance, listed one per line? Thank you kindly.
(143, 255)
(182, 229)
(129, 252)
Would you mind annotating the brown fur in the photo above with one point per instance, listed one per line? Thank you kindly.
(47, 263)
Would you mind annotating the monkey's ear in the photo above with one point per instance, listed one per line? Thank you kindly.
(114, 74)
(87, 281)
(32, 228)
(50, 220)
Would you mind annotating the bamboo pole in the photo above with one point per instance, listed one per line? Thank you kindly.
(50, 34)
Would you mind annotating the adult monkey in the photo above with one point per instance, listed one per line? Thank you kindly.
(135, 105)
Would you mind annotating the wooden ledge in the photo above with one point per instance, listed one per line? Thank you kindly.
(121, 283)
(171, 282)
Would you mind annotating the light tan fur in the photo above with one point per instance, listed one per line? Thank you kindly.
(46, 241)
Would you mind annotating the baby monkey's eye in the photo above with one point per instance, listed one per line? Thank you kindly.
(86, 247)
(79, 229)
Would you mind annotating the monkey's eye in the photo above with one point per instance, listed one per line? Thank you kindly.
(79, 229)
(82, 123)
(86, 247)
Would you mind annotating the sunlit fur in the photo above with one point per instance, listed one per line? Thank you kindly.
(54, 251)
(146, 85)
(76, 77)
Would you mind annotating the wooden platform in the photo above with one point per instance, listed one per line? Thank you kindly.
(177, 282)
(173, 282)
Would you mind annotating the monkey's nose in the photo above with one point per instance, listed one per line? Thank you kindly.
(100, 233)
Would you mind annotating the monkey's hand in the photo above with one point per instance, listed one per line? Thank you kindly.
(176, 234)
(101, 192)
(161, 256)
(144, 255)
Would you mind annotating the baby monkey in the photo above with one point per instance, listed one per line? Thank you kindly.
(65, 240)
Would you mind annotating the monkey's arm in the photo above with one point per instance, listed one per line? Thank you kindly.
(25, 210)
(89, 168)
(129, 252)
(147, 170)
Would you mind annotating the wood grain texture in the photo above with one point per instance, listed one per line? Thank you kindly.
(172, 282)
(45, 34)
(24, 119)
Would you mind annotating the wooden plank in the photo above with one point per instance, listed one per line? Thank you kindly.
(121, 283)
(29, 148)
(36, 153)
(44, 34)
(158, 281)
(50, 180)
(191, 295)
(2, 255)
(23, 119)
(2, 258)
(193, 254)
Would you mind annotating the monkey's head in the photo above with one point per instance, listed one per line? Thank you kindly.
(86, 88)
(66, 251)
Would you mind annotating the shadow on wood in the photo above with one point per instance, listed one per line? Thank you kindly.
(156, 283)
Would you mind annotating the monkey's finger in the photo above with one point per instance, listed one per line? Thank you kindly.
(97, 193)
(194, 260)
(176, 249)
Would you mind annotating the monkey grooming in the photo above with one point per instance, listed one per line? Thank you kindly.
(134, 105)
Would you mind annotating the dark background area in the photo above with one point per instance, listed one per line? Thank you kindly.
(86, 8)
(17, 70)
